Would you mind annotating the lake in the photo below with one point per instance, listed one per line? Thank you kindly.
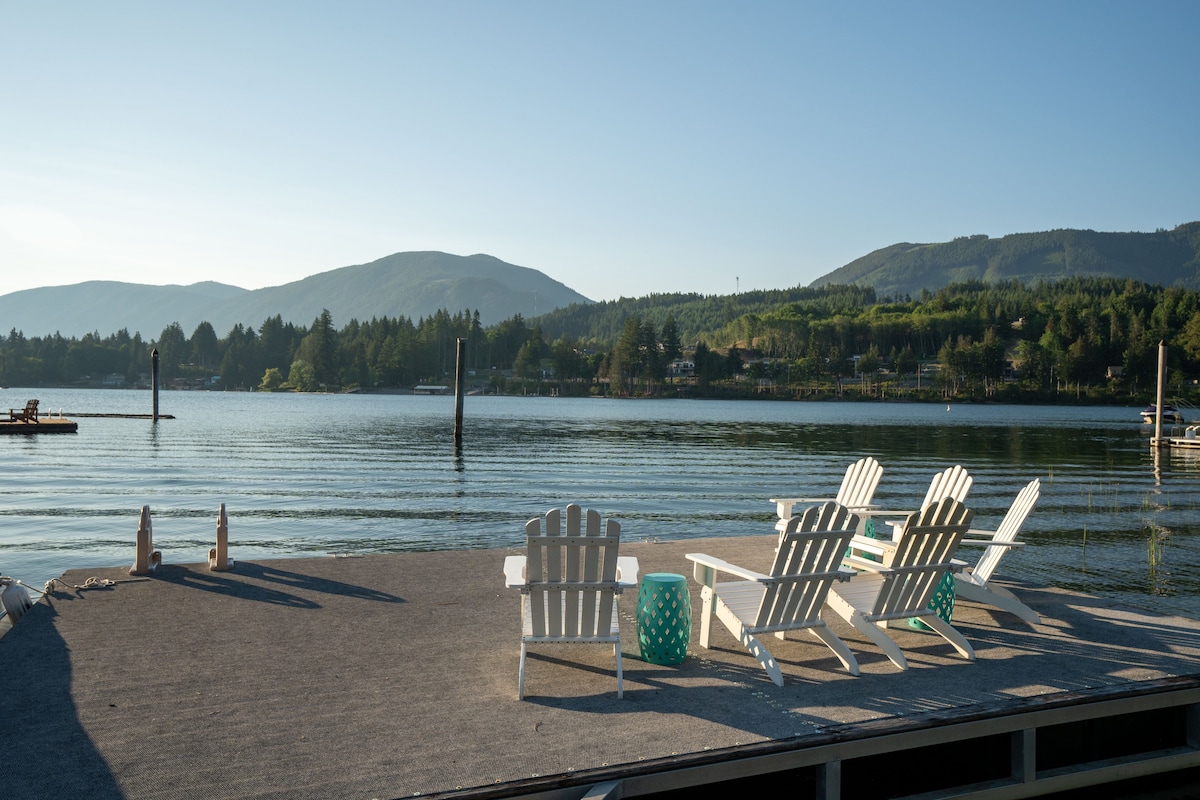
(307, 475)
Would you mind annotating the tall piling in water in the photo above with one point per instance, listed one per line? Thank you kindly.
(1158, 440)
(154, 384)
(460, 368)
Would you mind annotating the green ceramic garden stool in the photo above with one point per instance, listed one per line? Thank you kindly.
(664, 618)
(942, 602)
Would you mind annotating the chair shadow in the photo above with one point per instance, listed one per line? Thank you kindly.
(49, 752)
(1082, 645)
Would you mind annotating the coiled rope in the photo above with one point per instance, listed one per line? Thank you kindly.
(91, 583)
(14, 602)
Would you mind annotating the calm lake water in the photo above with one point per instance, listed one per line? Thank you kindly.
(305, 475)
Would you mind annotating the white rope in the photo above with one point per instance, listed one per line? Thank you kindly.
(91, 583)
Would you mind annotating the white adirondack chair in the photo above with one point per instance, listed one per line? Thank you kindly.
(569, 582)
(974, 583)
(901, 585)
(791, 597)
(856, 492)
(953, 482)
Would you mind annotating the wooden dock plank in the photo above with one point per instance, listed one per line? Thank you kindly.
(395, 675)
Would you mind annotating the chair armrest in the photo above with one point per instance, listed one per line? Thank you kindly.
(878, 547)
(801, 499)
(990, 543)
(888, 512)
(514, 571)
(707, 566)
(865, 564)
(844, 574)
(627, 571)
(783, 506)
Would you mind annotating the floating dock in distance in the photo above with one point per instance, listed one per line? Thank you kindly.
(65, 424)
(1190, 439)
(43, 425)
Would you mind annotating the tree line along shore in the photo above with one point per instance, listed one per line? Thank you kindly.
(1073, 340)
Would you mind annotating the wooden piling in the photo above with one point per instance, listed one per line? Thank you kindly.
(154, 383)
(459, 376)
(1158, 402)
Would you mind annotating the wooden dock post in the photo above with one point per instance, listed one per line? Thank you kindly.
(146, 558)
(460, 369)
(1158, 440)
(218, 557)
(154, 383)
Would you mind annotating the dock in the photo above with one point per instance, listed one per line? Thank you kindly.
(1189, 440)
(395, 675)
(43, 425)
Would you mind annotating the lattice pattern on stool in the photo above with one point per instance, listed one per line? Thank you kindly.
(942, 603)
(664, 619)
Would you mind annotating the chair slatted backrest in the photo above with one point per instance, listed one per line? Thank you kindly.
(806, 565)
(861, 481)
(923, 553)
(571, 575)
(1010, 526)
(954, 482)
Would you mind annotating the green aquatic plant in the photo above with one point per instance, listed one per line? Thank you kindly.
(1155, 546)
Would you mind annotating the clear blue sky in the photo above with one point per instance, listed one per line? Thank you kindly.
(622, 148)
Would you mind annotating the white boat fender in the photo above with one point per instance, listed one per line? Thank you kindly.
(14, 600)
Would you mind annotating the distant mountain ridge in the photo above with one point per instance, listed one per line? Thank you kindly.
(1169, 258)
(418, 284)
(412, 284)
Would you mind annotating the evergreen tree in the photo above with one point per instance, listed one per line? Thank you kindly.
(172, 348)
(671, 348)
(205, 348)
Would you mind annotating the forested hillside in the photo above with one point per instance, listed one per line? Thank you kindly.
(1170, 258)
(696, 316)
(1083, 338)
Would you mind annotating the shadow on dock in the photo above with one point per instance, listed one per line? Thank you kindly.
(395, 675)
(40, 711)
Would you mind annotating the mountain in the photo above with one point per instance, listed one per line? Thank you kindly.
(1163, 257)
(412, 285)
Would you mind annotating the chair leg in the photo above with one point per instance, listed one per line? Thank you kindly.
(950, 635)
(521, 675)
(620, 686)
(839, 648)
(706, 615)
(748, 640)
(999, 597)
(876, 635)
(873, 631)
(762, 655)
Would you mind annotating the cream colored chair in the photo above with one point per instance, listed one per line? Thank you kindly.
(856, 492)
(569, 581)
(901, 584)
(954, 482)
(974, 583)
(790, 597)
